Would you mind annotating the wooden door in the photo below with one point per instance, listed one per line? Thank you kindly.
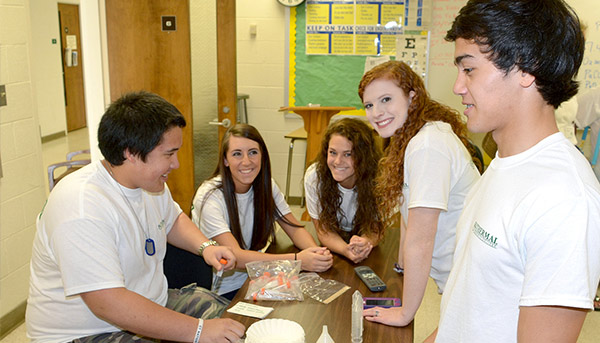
(68, 16)
(226, 64)
(142, 56)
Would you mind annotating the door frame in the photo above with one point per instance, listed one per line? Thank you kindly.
(226, 64)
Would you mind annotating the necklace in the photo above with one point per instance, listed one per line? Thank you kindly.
(149, 246)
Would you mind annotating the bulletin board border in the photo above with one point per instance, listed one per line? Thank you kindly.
(292, 59)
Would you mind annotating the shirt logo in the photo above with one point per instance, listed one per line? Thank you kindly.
(161, 225)
(485, 236)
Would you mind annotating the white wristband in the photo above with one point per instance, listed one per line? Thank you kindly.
(198, 330)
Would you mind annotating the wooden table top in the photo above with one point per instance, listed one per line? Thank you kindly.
(312, 314)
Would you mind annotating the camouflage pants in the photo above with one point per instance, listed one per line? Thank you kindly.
(191, 300)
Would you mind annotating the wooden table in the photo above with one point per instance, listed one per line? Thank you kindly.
(312, 315)
(316, 119)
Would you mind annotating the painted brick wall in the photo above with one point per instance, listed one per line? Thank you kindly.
(22, 192)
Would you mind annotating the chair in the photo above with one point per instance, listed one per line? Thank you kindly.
(71, 165)
(299, 133)
(242, 115)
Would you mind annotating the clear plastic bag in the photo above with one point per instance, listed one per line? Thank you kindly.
(274, 280)
(323, 290)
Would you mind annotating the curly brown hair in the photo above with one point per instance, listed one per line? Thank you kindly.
(422, 109)
(366, 153)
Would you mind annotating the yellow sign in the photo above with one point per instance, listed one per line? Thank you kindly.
(361, 27)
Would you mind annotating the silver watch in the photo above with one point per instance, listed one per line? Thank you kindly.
(205, 245)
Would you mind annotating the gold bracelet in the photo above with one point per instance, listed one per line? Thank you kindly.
(205, 245)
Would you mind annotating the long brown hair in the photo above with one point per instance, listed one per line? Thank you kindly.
(421, 110)
(265, 209)
(365, 155)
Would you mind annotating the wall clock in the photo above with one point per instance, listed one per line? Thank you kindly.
(290, 3)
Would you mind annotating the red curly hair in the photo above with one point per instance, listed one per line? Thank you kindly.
(421, 110)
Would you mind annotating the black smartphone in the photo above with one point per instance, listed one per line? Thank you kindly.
(381, 302)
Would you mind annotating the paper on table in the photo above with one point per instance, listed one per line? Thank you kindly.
(250, 310)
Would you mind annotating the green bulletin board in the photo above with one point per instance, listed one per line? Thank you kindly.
(327, 80)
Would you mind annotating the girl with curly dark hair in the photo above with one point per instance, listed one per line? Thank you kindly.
(339, 190)
(426, 172)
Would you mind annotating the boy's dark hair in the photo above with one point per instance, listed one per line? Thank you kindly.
(137, 122)
(540, 37)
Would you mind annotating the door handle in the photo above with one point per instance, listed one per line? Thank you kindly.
(226, 123)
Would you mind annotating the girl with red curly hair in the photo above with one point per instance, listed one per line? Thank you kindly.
(426, 173)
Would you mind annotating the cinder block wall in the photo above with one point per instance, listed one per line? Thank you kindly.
(22, 192)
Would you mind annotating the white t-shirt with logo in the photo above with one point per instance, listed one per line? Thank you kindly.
(529, 235)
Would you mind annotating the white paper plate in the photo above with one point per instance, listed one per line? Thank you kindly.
(275, 331)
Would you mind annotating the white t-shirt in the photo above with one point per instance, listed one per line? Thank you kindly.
(87, 239)
(210, 215)
(438, 173)
(347, 208)
(528, 236)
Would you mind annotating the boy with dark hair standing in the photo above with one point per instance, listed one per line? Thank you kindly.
(527, 258)
(96, 268)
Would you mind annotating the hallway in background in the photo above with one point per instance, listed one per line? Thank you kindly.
(56, 150)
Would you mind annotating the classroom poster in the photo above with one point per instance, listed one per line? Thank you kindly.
(362, 27)
(412, 50)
